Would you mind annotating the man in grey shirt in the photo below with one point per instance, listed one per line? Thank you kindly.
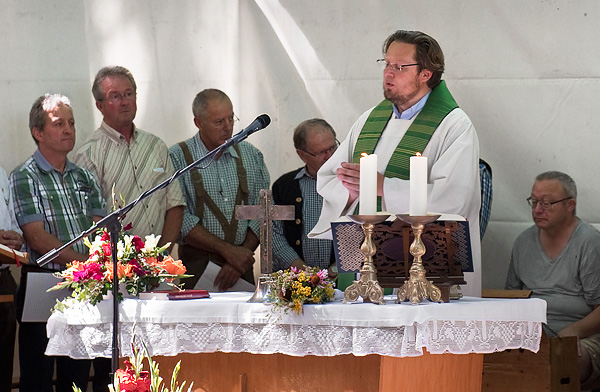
(558, 259)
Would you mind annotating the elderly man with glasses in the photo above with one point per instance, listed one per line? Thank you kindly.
(315, 142)
(558, 259)
(210, 231)
(418, 114)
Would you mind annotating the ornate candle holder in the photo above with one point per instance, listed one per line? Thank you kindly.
(417, 287)
(367, 286)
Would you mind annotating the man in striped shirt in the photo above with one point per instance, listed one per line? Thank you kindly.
(133, 161)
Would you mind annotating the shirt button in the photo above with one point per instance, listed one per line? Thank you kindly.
(297, 242)
(298, 199)
(298, 221)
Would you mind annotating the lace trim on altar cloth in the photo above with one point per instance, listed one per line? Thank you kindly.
(437, 337)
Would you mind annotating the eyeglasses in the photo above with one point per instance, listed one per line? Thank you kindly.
(116, 97)
(223, 121)
(395, 67)
(323, 153)
(546, 205)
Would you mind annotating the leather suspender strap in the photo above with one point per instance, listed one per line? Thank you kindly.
(202, 198)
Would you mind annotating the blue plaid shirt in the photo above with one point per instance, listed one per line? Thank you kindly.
(317, 252)
(485, 175)
(220, 181)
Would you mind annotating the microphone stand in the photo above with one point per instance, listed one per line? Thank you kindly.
(113, 224)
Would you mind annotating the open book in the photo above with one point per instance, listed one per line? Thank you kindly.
(10, 256)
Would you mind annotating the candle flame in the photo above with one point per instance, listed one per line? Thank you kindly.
(418, 154)
(364, 154)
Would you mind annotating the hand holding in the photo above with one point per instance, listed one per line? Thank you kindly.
(226, 277)
(11, 238)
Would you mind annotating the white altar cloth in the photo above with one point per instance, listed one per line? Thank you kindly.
(226, 323)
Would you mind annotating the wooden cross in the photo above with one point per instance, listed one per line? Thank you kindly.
(266, 213)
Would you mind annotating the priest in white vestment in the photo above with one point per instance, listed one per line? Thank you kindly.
(413, 66)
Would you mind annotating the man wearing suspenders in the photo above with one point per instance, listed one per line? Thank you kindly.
(235, 177)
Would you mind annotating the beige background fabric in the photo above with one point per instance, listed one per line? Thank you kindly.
(526, 72)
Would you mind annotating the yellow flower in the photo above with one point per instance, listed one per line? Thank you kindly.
(297, 306)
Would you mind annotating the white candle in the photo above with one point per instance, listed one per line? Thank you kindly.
(368, 185)
(418, 185)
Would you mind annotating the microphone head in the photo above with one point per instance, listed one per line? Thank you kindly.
(264, 120)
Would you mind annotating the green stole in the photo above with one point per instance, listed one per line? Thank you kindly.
(437, 107)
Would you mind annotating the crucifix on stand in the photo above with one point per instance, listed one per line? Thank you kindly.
(265, 212)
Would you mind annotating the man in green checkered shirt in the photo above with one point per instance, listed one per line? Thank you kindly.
(55, 201)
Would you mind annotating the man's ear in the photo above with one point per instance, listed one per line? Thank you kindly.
(425, 75)
(99, 105)
(197, 122)
(301, 154)
(37, 134)
(571, 205)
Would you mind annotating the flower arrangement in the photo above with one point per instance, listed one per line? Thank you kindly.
(141, 267)
(134, 378)
(292, 288)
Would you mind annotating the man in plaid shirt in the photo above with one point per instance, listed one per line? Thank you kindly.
(210, 231)
(315, 142)
(55, 201)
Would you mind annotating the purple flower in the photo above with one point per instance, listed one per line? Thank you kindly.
(137, 269)
(137, 243)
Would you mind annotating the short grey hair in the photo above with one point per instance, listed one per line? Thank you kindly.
(302, 130)
(112, 70)
(204, 98)
(565, 180)
(41, 106)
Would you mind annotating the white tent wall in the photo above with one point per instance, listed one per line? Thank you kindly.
(526, 72)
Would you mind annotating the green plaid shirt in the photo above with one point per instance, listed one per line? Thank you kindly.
(221, 183)
(65, 202)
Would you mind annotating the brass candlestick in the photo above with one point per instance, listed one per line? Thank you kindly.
(367, 286)
(417, 287)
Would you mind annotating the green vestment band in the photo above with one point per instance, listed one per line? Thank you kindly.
(418, 134)
(437, 107)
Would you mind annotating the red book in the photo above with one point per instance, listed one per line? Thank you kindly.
(175, 295)
(188, 294)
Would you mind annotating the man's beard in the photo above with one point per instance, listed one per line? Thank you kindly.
(398, 99)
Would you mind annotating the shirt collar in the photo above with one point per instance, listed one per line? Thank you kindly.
(44, 165)
(230, 150)
(303, 173)
(411, 111)
(116, 135)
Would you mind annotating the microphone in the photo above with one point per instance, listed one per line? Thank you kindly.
(261, 122)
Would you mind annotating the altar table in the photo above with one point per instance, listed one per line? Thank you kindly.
(345, 347)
